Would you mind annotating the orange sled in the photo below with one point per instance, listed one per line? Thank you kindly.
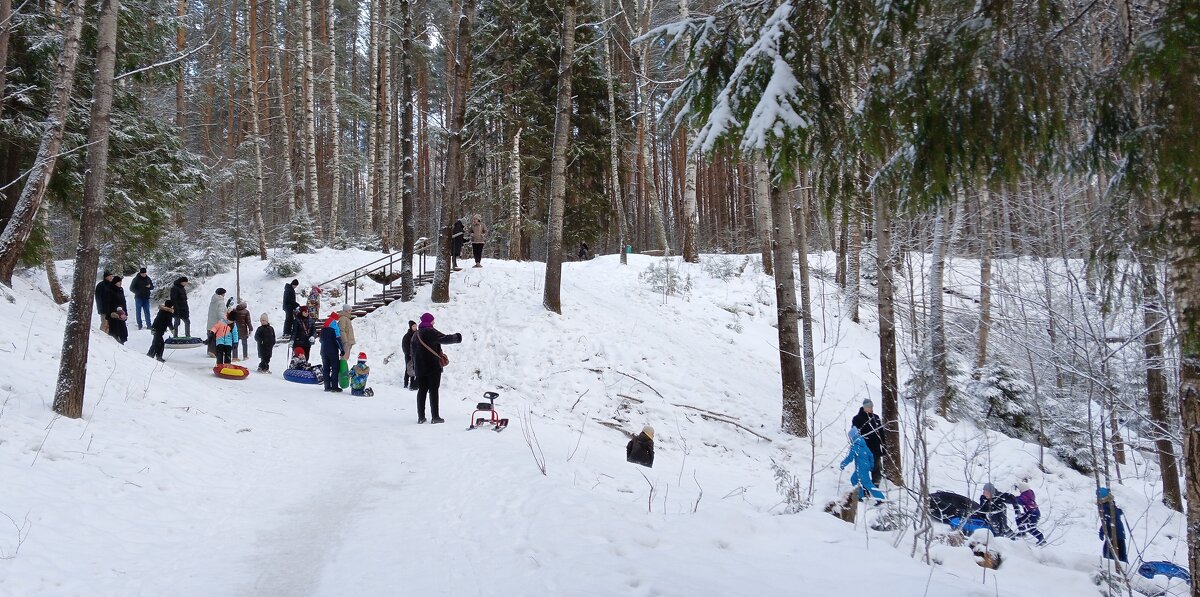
(231, 371)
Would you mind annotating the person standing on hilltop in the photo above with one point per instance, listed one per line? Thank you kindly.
(456, 243)
(289, 307)
(180, 307)
(141, 287)
(478, 237)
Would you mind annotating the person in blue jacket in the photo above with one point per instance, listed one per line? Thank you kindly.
(331, 353)
(863, 461)
(1112, 527)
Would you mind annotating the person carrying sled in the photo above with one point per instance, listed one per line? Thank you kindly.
(1112, 526)
(289, 307)
(1029, 514)
(863, 461)
(358, 377)
(428, 360)
(640, 449)
(871, 428)
(993, 507)
(331, 353)
(141, 287)
(162, 323)
(225, 334)
(264, 339)
(180, 306)
(410, 376)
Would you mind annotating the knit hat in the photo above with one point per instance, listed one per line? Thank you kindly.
(107, 273)
(1022, 487)
(1103, 495)
(263, 318)
(221, 291)
(295, 282)
(988, 487)
(426, 320)
(183, 279)
(168, 303)
(116, 279)
(868, 402)
(411, 323)
(649, 431)
(304, 309)
(345, 312)
(241, 305)
(362, 356)
(142, 271)
(299, 351)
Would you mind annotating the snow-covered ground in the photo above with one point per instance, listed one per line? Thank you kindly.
(177, 482)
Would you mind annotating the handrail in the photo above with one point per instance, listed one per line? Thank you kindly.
(390, 257)
(349, 279)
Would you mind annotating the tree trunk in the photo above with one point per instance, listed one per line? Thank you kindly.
(5, 32)
(335, 126)
(1156, 387)
(985, 279)
(1185, 282)
(810, 360)
(408, 228)
(514, 175)
(383, 145)
(459, 85)
(56, 290)
(691, 217)
(72, 371)
(791, 369)
(180, 44)
(889, 386)
(312, 202)
(762, 203)
(647, 126)
(372, 183)
(293, 191)
(20, 224)
(937, 320)
(259, 192)
(558, 162)
(854, 248)
(615, 189)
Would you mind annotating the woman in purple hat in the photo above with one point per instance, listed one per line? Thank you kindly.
(428, 362)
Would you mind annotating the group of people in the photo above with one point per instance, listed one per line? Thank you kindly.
(475, 231)
(113, 309)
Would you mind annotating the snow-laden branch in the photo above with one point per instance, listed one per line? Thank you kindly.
(158, 65)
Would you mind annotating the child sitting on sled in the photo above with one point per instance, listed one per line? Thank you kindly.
(358, 377)
(300, 362)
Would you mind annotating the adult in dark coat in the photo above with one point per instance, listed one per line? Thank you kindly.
(410, 376)
(141, 287)
(1112, 527)
(993, 506)
(640, 449)
(302, 332)
(180, 301)
(103, 298)
(162, 323)
(426, 352)
(331, 353)
(870, 427)
(289, 307)
(119, 311)
(241, 317)
(456, 242)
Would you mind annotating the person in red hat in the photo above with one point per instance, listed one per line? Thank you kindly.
(358, 377)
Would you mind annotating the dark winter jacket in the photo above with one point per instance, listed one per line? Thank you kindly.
(302, 332)
(425, 360)
(406, 345)
(179, 299)
(459, 233)
(141, 286)
(995, 511)
(241, 317)
(1112, 531)
(163, 320)
(640, 450)
(871, 428)
(331, 343)
(104, 297)
(116, 299)
(289, 298)
(264, 338)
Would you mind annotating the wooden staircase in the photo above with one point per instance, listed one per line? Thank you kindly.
(384, 267)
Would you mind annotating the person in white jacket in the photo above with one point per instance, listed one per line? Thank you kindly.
(216, 311)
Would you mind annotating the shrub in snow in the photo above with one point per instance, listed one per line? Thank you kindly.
(1006, 401)
(212, 254)
(724, 267)
(664, 279)
(283, 264)
(794, 499)
(300, 237)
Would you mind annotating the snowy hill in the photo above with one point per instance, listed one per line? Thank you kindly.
(176, 482)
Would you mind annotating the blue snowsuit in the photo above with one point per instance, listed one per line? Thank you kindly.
(863, 461)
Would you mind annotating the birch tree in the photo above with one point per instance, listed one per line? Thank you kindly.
(558, 162)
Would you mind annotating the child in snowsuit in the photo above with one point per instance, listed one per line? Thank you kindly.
(1028, 518)
(358, 377)
(993, 506)
(863, 461)
(314, 302)
(640, 449)
(226, 337)
(300, 363)
(1112, 526)
(117, 326)
(162, 323)
(264, 338)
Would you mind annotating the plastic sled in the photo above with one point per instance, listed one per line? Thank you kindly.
(301, 376)
(344, 375)
(969, 525)
(183, 342)
(1167, 569)
(230, 371)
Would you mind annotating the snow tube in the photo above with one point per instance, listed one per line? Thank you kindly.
(229, 371)
(301, 376)
(183, 342)
(1167, 569)
(969, 525)
(945, 505)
